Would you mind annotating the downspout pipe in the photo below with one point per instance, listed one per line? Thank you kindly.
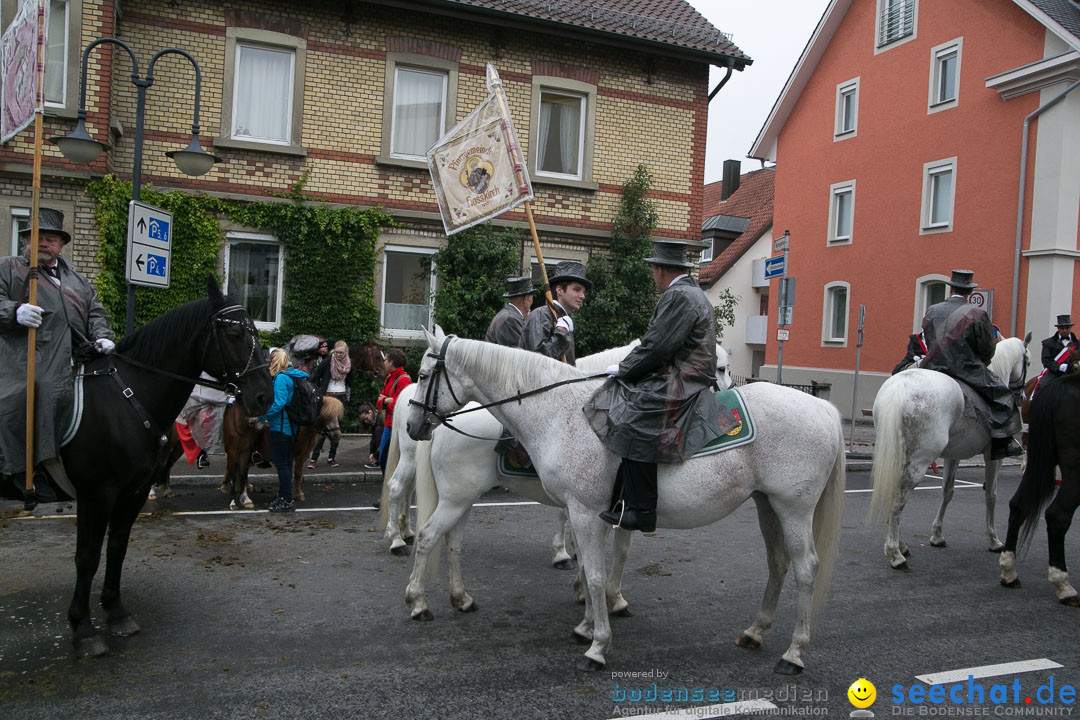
(721, 84)
(1020, 205)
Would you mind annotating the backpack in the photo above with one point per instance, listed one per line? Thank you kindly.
(305, 404)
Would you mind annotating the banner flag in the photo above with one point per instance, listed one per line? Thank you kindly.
(20, 97)
(477, 167)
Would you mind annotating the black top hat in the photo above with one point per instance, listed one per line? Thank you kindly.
(570, 271)
(518, 286)
(1064, 321)
(669, 252)
(50, 220)
(962, 279)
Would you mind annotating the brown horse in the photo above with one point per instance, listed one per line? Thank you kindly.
(368, 356)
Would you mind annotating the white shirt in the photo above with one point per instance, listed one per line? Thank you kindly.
(678, 279)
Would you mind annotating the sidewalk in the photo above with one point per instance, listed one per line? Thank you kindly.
(860, 449)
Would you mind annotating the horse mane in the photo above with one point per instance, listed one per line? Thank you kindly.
(490, 364)
(158, 337)
(331, 409)
(1007, 355)
(598, 362)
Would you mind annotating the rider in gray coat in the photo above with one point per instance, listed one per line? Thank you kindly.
(506, 326)
(67, 312)
(960, 343)
(647, 412)
(553, 335)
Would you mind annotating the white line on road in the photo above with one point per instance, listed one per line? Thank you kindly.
(983, 671)
(71, 516)
(706, 712)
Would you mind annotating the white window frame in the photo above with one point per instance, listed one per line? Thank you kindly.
(583, 101)
(836, 190)
(16, 214)
(423, 63)
(444, 76)
(291, 52)
(828, 337)
(67, 55)
(706, 256)
(68, 107)
(922, 296)
(845, 90)
(932, 170)
(938, 54)
(882, 45)
(264, 239)
(399, 333)
(546, 84)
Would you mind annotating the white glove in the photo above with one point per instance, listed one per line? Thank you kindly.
(566, 323)
(1063, 367)
(612, 370)
(28, 315)
(917, 359)
(104, 345)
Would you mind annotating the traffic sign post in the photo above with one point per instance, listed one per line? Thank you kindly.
(149, 245)
(855, 381)
(777, 267)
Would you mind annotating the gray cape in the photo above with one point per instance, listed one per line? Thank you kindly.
(661, 407)
(80, 310)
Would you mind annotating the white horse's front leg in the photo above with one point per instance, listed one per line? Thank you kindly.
(440, 522)
(948, 487)
(459, 598)
(562, 557)
(397, 505)
(589, 533)
(990, 491)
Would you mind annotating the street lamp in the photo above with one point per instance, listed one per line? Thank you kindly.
(81, 148)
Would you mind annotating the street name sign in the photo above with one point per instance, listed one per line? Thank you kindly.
(149, 245)
(782, 334)
(775, 266)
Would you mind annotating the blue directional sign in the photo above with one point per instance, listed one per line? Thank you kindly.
(775, 266)
(149, 244)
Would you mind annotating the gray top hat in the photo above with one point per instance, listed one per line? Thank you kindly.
(570, 271)
(50, 220)
(1064, 321)
(669, 252)
(962, 279)
(517, 286)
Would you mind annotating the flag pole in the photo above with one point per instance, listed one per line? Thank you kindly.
(30, 492)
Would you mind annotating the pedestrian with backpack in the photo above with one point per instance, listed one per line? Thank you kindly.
(396, 380)
(282, 428)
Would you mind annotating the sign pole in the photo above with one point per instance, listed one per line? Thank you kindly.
(35, 203)
(780, 314)
(855, 382)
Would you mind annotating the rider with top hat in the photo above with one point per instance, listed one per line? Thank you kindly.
(644, 413)
(506, 326)
(553, 335)
(69, 318)
(1057, 349)
(960, 343)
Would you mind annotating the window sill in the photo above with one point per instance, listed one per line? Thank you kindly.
(67, 113)
(232, 144)
(566, 182)
(835, 243)
(401, 162)
(844, 135)
(936, 229)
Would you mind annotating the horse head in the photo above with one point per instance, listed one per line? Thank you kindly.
(238, 358)
(434, 396)
(723, 378)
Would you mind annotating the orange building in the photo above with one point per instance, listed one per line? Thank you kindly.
(898, 141)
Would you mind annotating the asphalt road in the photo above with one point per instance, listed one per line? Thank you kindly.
(252, 615)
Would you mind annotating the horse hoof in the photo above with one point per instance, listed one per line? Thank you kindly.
(92, 646)
(902, 566)
(400, 550)
(906, 552)
(745, 641)
(471, 607)
(125, 627)
(587, 664)
(1014, 584)
(937, 544)
(424, 615)
(786, 667)
(580, 639)
(997, 549)
(249, 505)
(409, 540)
(564, 564)
(1071, 601)
(622, 612)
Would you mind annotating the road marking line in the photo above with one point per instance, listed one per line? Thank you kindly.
(983, 671)
(920, 487)
(706, 712)
(71, 516)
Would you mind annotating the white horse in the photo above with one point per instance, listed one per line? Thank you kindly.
(919, 417)
(458, 468)
(794, 471)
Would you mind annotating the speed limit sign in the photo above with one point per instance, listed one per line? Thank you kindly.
(983, 299)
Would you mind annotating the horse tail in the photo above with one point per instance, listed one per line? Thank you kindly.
(427, 499)
(828, 516)
(889, 456)
(1037, 485)
(393, 456)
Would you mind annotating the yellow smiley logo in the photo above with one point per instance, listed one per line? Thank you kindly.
(862, 693)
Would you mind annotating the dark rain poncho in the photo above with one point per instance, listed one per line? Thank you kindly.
(505, 328)
(79, 310)
(960, 343)
(661, 407)
(539, 335)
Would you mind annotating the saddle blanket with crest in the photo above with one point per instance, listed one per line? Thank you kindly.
(742, 434)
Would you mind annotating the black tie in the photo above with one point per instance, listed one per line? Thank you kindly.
(54, 271)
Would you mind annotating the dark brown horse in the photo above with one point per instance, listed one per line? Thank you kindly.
(1029, 388)
(1054, 434)
(368, 356)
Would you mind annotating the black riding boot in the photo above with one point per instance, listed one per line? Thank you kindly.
(1001, 448)
(636, 510)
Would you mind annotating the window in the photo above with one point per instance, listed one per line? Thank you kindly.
(561, 132)
(63, 53)
(834, 329)
(944, 75)
(406, 290)
(419, 106)
(841, 212)
(255, 262)
(20, 219)
(847, 109)
(56, 54)
(939, 188)
(706, 253)
(896, 21)
(929, 290)
(262, 105)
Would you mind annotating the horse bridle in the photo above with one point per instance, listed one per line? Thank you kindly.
(255, 359)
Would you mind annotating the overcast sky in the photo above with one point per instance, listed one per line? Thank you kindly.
(773, 33)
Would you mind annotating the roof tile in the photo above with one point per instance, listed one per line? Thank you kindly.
(753, 200)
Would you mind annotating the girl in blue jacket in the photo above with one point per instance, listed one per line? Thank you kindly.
(281, 429)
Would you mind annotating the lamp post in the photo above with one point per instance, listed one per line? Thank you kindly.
(81, 148)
